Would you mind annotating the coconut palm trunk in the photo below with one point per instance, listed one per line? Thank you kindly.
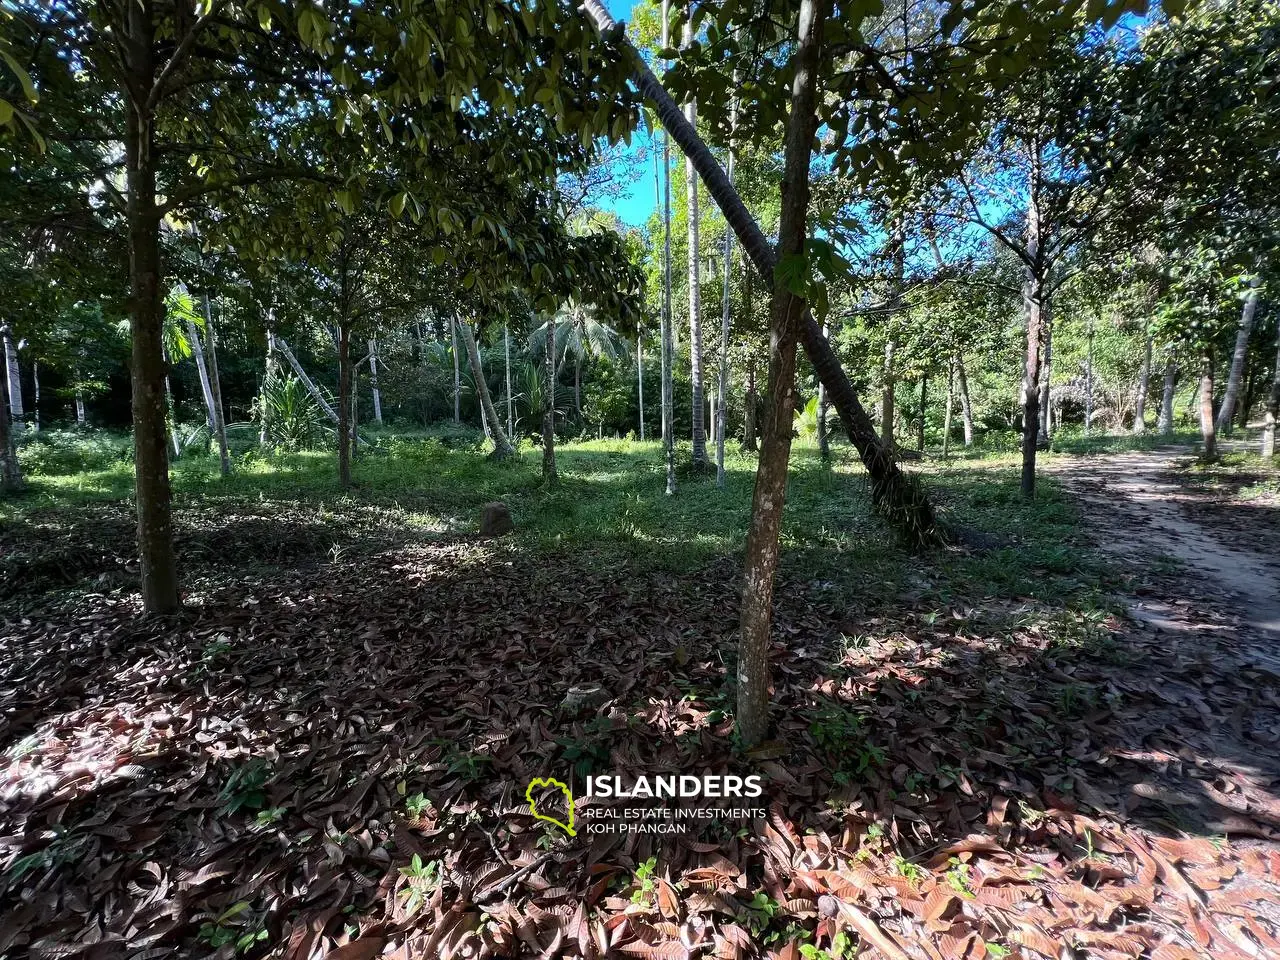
(457, 374)
(1144, 387)
(699, 426)
(207, 360)
(373, 382)
(13, 375)
(899, 497)
(1208, 429)
(668, 350)
(506, 369)
(1165, 422)
(549, 474)
(1273, 408)
(640, 377)
(10, 471)
(502, 447)
(1238, 357)
(726, 307)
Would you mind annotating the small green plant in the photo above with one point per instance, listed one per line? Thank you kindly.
(759, 913)
(64, 847)
(645, 885)
(269, 816)
(905, 868)
(958, 878)
(416, 804)
(422, 878)
(224, 930)
(244, 788)
(841, 947)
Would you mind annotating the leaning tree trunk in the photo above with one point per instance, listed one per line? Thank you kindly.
(1144, 385)
(344, 404)
(722, 380)
(1273, 408)
(898, 496)
(13, 375)
(197, 349)
(549, 475)
(668, 349)
(10, 472)
(1227, 410)
(761, 559)
(502, 448)
(966, 408)
(1165, 422)
(699, 425)
(215, 391)
(1208, 429)
(157, 563)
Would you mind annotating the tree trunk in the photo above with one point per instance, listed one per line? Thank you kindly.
(35, 394)
(373, 382)
(899, 497)
(1165, 422)
(1273, 408)
(751, 402)
(695, 287)
(1208, 429)
(761, 559)
(279, 343)
(10, 472)
(577, 385)
(1034, 308)
(13, 375)
(1227, 410)
(726, 308)
(80, 414)
(215, 389)
(668, 349)
(924, 402)
(549, 474)
(157, 564)
(269, 369)
(966, 408)
(501, 444)
(640, 377)
(886, 399)
(344, 404)
(1046, 372)
(1088, 380)
(197, 348)
(1144, 385)
(511, 417)
(457, 375)
(951, 402)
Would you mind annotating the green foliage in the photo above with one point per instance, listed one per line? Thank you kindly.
(65, 452)
(421, 879)
(243, 789)
(292, 417)
(227, 929)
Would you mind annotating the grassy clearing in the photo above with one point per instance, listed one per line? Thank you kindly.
(610, 504)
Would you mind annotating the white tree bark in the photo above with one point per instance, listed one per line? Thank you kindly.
(489, 416)
(511, 419)
(373, 382)
(699, 427)
(1273, 408)
(1165, 422)
(966, 408)
(1227, 410)
(1144, 384)
(13, 375)
(80, 414)
(668, 352)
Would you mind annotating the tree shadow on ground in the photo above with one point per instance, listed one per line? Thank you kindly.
(952, 776)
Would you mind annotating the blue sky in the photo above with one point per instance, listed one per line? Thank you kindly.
(637, 204)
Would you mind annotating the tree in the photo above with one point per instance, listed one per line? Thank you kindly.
(502, 448)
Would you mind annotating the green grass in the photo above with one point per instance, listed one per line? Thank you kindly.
(611, 501)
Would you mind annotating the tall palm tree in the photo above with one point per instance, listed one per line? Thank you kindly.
(578, 331)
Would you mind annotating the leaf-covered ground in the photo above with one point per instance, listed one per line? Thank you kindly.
(326, 754)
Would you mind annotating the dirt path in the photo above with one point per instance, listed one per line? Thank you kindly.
(1141, 507)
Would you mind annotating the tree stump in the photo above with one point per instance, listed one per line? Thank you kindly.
(495, 520)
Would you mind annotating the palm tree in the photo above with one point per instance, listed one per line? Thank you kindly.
(579, 331)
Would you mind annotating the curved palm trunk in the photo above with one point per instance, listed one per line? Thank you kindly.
(726, 307)
(511, 417)
(668, 350)
(373, 382)
(899, 497)
(1229, 397)
(501, 445)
